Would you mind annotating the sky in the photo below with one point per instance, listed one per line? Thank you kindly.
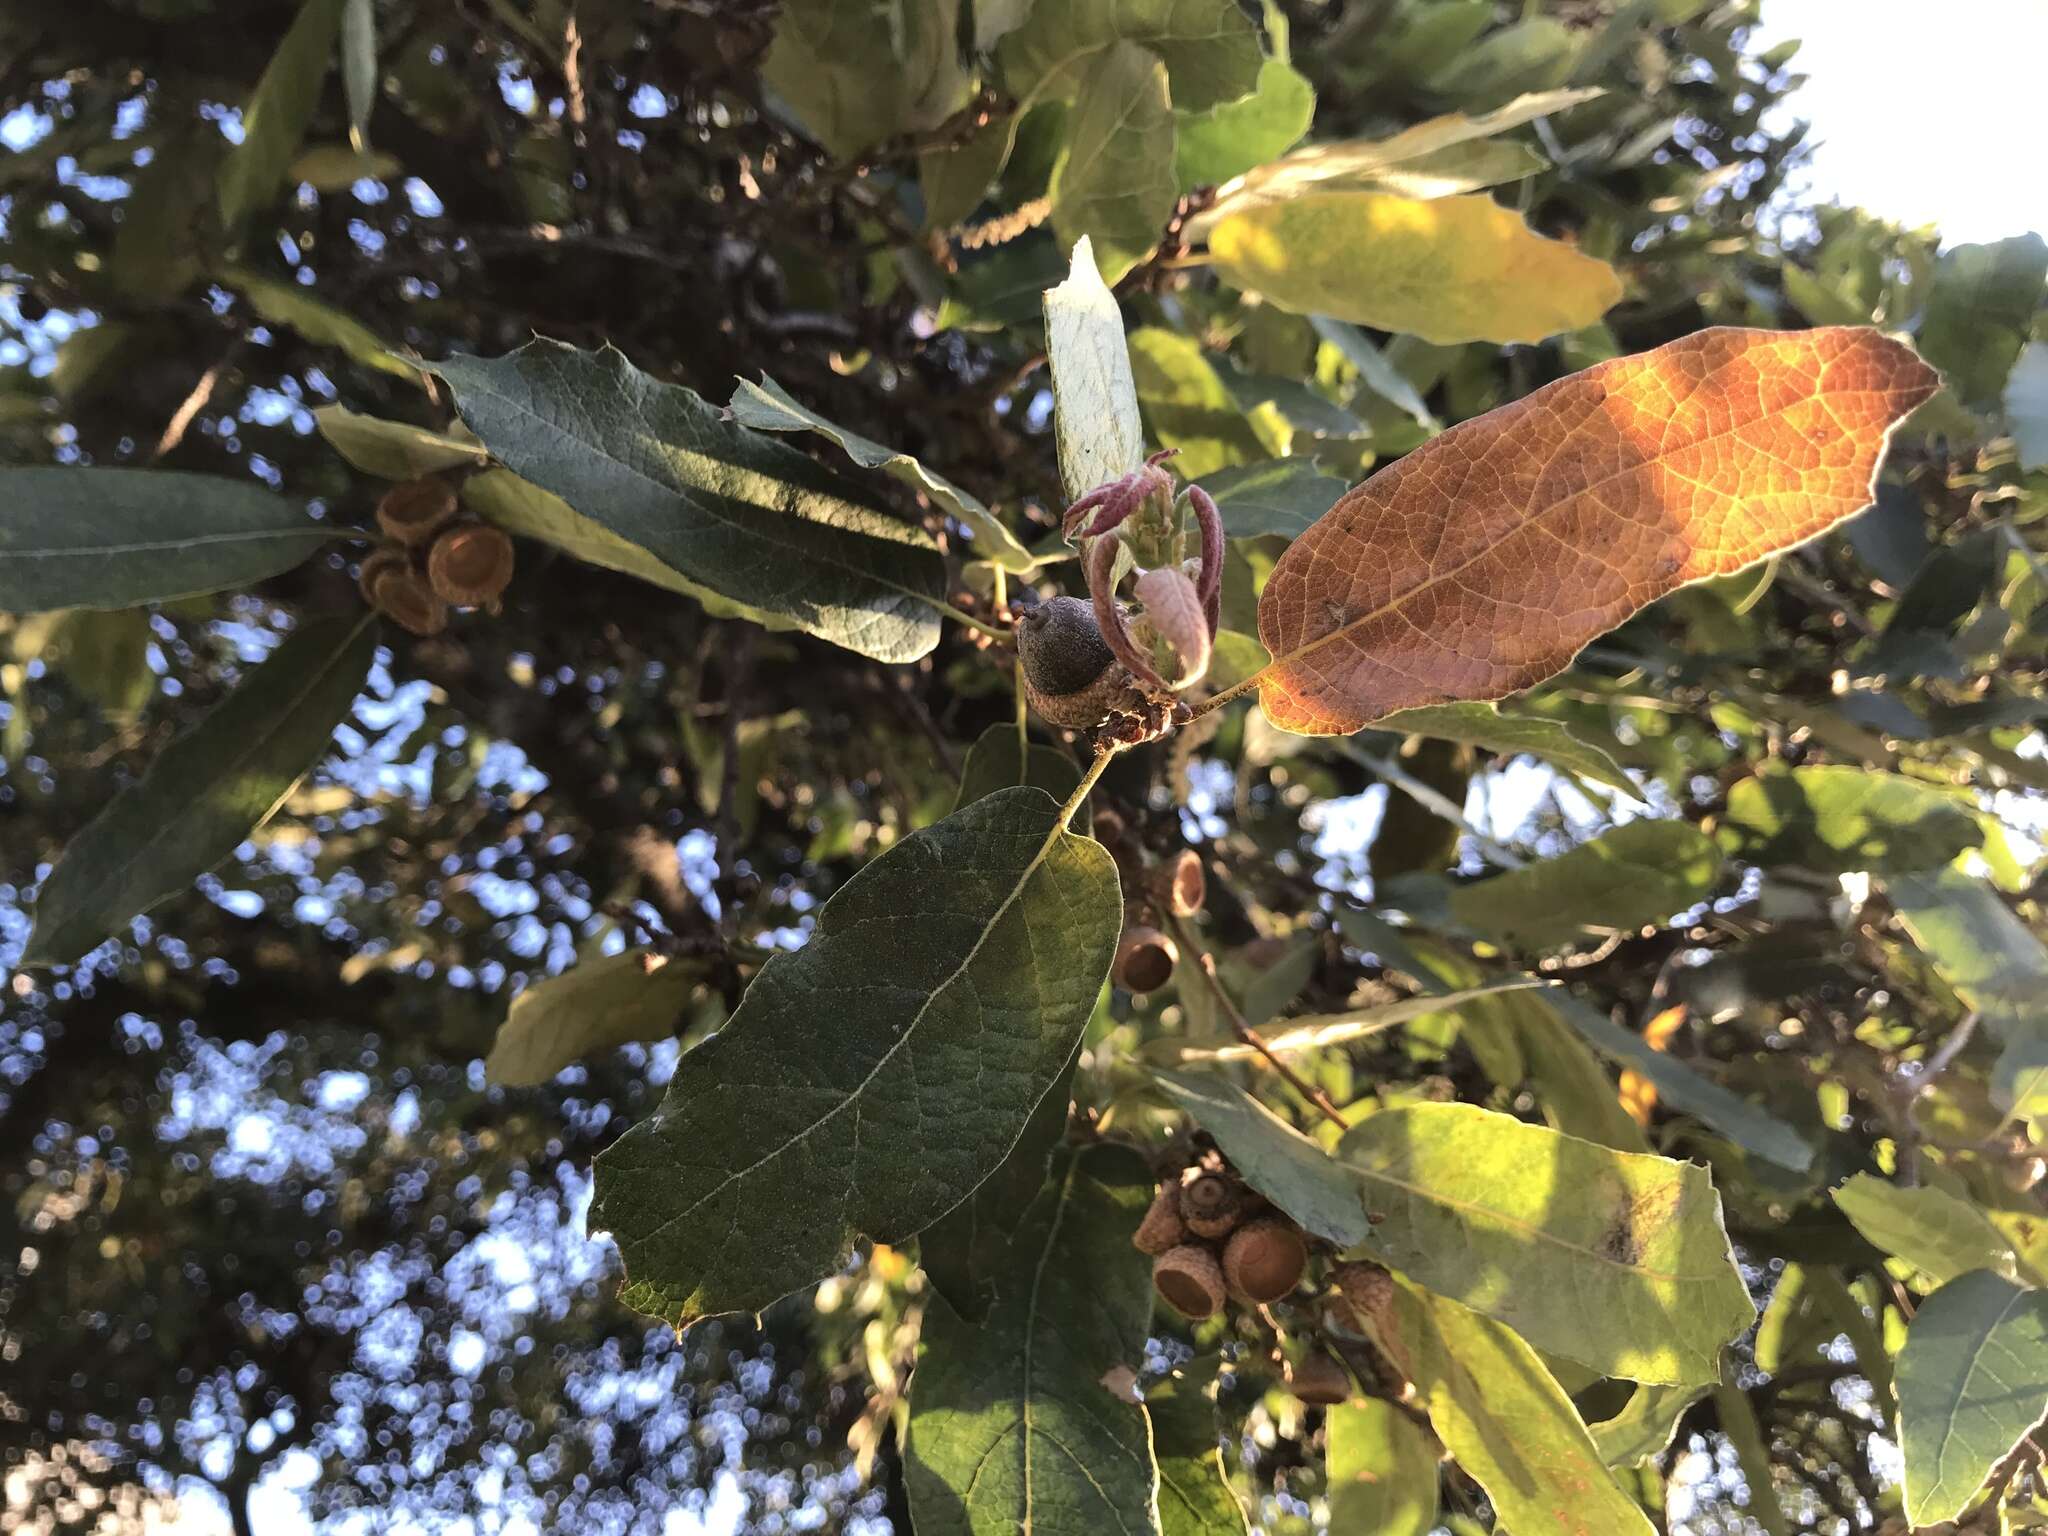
(1924, 111)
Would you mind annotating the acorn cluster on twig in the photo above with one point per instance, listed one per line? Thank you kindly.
(1213, 1240)
(432, 559)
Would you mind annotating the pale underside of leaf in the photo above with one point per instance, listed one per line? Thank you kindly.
(1095, 397)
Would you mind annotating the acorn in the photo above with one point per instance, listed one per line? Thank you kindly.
(1263, 1259)
(1368, 1290)
(413, 511)
(1212, 1204)
(470, 564)
(1179, 885)
(1162, 1227)
(1318, 1380)
(1071, 676)
(1144, 960)
(383, 561)
(404, 597)
(1190, 1279)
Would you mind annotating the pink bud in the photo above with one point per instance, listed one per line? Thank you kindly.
(1173, 612)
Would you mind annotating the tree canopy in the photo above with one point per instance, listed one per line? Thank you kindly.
(1056, 765)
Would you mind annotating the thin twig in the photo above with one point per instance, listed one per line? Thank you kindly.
(182, 419)
(1206, 964)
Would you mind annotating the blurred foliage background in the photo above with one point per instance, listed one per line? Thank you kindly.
(267, 1219)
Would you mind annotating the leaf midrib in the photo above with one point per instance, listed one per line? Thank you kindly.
(313, 534)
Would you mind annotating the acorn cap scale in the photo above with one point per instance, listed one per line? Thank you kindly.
(1264, 1259)
(1162, 1227)
(413, 511)
(470, 564)
(1190, 1279)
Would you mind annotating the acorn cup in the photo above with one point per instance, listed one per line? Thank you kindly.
(1318, 1380)
(1212, 1204)
(1190, 1280)
(1264, 1259)
(1180, 885)
(470, 564)
(383, 561)
(413, 511)
(1162, 1227)
(1144, 960)
(404, 597)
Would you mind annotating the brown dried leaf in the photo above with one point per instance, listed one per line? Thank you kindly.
(1480, 563)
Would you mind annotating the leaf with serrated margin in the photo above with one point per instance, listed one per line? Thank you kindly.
(275, 118)
(606, 1001)
(729, 509)
(1095, 398)
(768, 407)
(1750, 1126)
(1481, 562)
(872, 1079)
(207, 791)
(1272, 1156)
(1275, 496)
(1195, 1497)
(1972, 1379)
(1616, 1260)
(1210, 47)
(1504, 1419)
(1483, 725)
(1382, 1469)
(1114, 181)
(395, 450)
(1438, 158)
(1934, 1231)
(1836, 818)
(1448, 270)
(1638, 873)
(1012, 1427)
(113, 538)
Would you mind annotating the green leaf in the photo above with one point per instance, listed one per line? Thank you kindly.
(1210, 47)
(1838, 819)
(1972, 1379)
(103, 654)
(113, 538)
(1929, 1228)
(1679, 1087)
(359, 67)
(2026, 405)
(1195, 1498)
(336, 167)
(1376, 371)
(965, 1253)
(1442, 157)
(320, 323)
(1453, 269)
(1532, 55)
(1228, 140)
(1273, 496)
(1630, 876)
(1187, 405)
(1978, 312)
(856, 72)
(1616, 1260)
(954, 176)
(208, 790)
(1502, 1415)
(1095, 415)
(1577, 1096)
(395, 450)
(1272, 1156)
(1319, 1031)
(998, 759)
(961, 967)
(1114, 182)
(1645, 1425)
(275, 117)
(599, 1003)
(1484, 726)
(1382, 1471)
(728, 509)
(768, 407)
(1013, 1426)
(520, 507)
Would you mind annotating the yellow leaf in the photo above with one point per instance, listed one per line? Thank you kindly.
(1449, 270)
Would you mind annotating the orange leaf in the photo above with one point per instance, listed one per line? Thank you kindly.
(1482, 562)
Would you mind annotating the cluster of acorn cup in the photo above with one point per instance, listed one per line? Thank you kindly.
(432, 559)
(1146, 956)
(1212, 1240)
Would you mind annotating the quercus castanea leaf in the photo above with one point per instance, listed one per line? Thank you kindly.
(1483, 561)
(1972, 1379)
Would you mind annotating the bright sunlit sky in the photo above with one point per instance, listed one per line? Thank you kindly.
(1925, 111)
